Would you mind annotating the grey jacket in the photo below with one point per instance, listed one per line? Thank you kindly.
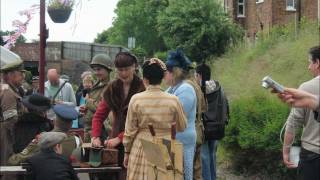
(66, 94)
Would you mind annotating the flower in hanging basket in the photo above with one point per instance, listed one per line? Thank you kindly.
(61, 4)
(59, 10)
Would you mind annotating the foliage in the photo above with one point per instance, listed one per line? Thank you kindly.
(161, 55)
(284, 58)
(28, 77)
(201, 28)
(61, 4)
(21, 38)
(103, 37)
(256, 115)
(254, 129)
(140, 53)
(137, 18)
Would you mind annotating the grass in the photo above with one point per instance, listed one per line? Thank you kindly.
(283, 55)
(285, 59)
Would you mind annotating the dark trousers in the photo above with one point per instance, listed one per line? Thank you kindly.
(309, 165)
(7, 140)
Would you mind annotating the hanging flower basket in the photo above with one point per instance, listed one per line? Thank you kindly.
(60, 10)
(59, 15)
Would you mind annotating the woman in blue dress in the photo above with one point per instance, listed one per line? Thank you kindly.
(178, 66)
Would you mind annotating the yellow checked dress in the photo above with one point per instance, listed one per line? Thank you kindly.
(151, 106)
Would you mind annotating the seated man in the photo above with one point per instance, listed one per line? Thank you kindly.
(49, 163)
(64, 116)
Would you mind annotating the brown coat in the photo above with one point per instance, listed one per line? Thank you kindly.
(11, 109)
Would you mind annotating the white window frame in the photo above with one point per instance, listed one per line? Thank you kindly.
(244, 9)
(259, 1)
(289, 7)
(226, 8)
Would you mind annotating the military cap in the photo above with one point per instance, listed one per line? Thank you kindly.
(50, 139)
(37, 102)
(102, 60)
(10, 61)
(65, 112)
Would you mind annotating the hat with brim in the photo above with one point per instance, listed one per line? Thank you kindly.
(37, 102)
(178, 59)
(10, 61)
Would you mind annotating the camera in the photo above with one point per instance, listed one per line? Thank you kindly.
(267, 82)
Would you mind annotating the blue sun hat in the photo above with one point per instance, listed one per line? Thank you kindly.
(177, 58)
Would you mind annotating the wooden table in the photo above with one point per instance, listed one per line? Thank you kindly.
(18, 170)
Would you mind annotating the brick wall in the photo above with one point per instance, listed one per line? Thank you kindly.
(29, 52)
(309, 9)
(265, 15)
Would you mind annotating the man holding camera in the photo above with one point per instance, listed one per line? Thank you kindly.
(309, 164)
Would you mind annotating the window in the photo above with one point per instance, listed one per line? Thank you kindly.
(241, 8)
(226, 7)
(259, 1)
(291, 5)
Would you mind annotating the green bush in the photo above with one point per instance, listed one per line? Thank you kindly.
(161, 55)
(140, 53)
(252, 135)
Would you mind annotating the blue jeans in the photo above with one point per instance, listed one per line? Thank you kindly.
(208, 158)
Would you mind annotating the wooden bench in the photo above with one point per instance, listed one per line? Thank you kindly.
(19, 170)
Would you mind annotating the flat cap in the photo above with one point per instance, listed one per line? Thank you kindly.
(65, 112)
(10, 61)
(50, 139)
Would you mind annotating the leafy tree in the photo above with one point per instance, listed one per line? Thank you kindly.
(199, 27)
(21, 38)
(136, 18)
(102, 37)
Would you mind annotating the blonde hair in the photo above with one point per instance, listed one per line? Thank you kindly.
(88, 78)
(178, 75)
(86, 73)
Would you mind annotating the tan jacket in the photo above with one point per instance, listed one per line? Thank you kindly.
(201, 107)
(10, 103)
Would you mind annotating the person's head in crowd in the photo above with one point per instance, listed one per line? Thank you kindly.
(178, 65)
(102, 65)
(153, 71)
(86, 73)
(51, 141)
(35, 82)
(203, 73)
(53, 77)
(12, 70)
(314, 60)
(87, 82)
(126, 65)
(65, 114)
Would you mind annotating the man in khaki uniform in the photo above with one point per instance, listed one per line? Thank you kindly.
(102, 66)
(12, 74)
(64, 116)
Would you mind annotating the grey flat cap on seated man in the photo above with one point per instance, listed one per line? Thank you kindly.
(50, 139)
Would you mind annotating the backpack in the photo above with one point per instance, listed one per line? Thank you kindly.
(217, 115)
